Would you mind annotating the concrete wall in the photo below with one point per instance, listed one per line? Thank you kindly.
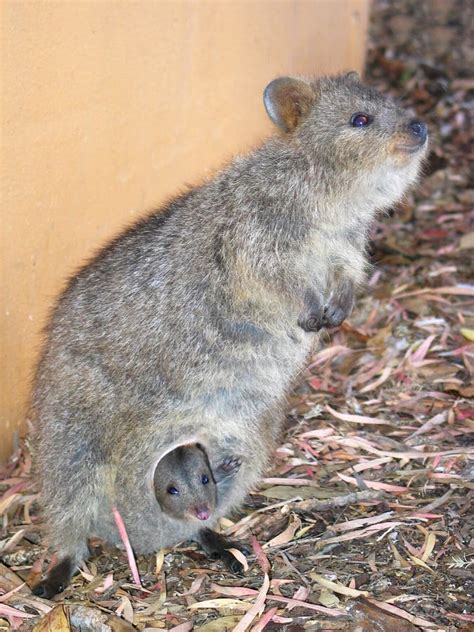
(108, 107)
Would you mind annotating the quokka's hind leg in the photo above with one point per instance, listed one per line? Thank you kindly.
(74, 481)
(216, 547)
(56, 580)
(69, 515)
(58, 577)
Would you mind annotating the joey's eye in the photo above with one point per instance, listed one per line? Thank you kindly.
(172, 490)
(204, 479)
(360, 120)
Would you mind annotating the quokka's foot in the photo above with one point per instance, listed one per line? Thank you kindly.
(334, 316)
(55, 581)
(216, 547)
(312, 322)
(340, 305)
(312, 317)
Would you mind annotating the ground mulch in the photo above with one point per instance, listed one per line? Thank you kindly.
(366, 520)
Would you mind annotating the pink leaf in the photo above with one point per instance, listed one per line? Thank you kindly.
(264, 620)
(422, 350)
(128, 547)
(260, 555)
(401, 613)
(256, 609)
(396, 489)
(10, 612)
(358, 419)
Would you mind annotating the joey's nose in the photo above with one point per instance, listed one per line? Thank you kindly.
(202, 513)
(418, 130)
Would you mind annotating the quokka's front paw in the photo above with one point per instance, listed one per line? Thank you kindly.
(339, 305)
(229, 466)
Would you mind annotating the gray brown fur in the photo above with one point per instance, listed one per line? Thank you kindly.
(185, 327)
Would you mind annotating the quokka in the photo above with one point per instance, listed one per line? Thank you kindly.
(190, 327)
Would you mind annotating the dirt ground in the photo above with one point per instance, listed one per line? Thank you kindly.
(366, 520)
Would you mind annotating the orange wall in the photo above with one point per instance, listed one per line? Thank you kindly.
(108, 107)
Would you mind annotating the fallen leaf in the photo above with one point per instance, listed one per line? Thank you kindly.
(57, 620)
(401, 613)
(221, 603)
(467, 333)
(222, 624)
(396, 489)
(467, 241)
(429, 546)
(256, 609)
(328, 598)
(337, 587)
(286, 535)
(262, 559)
(284, 492)
(264, 620)
(358, 419)
(369, 618)
(240, 557)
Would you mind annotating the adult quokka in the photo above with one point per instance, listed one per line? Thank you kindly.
(191, 326)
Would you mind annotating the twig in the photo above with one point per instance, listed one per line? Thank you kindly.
(294, 569)
(338, 501)
(436, 503)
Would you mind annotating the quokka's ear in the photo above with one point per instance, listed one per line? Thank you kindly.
(287, 101)
(353, 75)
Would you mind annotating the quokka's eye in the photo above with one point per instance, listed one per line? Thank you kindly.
(172, 490)
(204, 479)
(360, 119)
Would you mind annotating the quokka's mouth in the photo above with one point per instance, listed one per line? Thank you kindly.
(200, 513)
(414, 138)
(411, 149)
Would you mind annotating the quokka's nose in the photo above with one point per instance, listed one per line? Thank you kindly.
(202, 513)
(418, 130)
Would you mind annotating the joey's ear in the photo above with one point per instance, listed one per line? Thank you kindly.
(287, 101)
(352, 76)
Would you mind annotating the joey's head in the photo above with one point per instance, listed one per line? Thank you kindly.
(356, 138)
(184, 486)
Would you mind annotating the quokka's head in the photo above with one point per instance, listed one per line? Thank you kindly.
(184, 485)
(345, 125)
